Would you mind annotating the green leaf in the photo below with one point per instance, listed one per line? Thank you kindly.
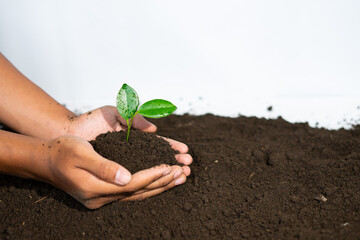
(157, 108)
(127, 101)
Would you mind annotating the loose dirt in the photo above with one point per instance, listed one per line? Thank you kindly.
(251, 178)
(143, 150)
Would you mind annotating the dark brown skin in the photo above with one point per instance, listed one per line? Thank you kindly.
(56, 149)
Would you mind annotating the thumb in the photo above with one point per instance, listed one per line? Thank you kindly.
(123, 176)
(140, 123)
(144, 125)
(106, 170)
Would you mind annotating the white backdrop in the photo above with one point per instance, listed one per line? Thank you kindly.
(226, 57)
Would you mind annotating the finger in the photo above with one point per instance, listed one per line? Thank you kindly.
(145, 177)
(185, 159)
(105, 169)
(138, 181)
(118, 127)
(95, 203)
(140, 123)
(102, 198)
(151, 190)
(175, 173)
(176, 145)
(186, 170)
(146, 194)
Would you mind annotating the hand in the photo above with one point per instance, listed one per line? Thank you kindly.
(107, 118)
(76, 168)
(89, 125)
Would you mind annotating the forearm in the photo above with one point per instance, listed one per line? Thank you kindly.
(23, 156)
(26, 108)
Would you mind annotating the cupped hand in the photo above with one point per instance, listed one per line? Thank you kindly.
(73, 166)
(107, 118)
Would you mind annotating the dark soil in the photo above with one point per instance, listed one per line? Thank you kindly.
(251, 178)
(143, 150)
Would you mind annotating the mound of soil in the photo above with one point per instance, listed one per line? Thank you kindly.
(143, 150)
(251, 178)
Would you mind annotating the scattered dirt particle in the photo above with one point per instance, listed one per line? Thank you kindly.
(124, 215)
(210, 225)
(71, 118)
(187, 207)
(294, 199)
(320, 198)
(259, 156)
(251, 175)
(41, 199)
(89, 113)
(166, 234)
(12, 189)
(275, 158)
(226, 212)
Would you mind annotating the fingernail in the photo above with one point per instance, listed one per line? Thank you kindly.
(122, 177)
(167, 171)
(179, 181)
(178, 174)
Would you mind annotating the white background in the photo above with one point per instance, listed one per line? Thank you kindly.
(226, 57)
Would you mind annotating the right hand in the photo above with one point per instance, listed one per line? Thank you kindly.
(76, 168)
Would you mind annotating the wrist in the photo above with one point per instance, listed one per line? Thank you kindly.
(63, 126)
(37, 165)
(23, 156)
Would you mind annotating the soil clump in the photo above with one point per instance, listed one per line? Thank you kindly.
(142, 151)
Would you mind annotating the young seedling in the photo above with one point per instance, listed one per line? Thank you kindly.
(127, 103)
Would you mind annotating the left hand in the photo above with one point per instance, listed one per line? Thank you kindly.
(89, 125)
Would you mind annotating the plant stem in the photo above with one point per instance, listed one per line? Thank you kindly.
(128, 132)
(129, 126)
(132, 118)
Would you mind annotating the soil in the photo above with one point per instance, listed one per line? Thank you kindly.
(143, 150)
(251, 178)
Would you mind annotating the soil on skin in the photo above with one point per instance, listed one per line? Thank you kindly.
(251, 178)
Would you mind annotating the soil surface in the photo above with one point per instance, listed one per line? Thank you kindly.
(251, 178)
